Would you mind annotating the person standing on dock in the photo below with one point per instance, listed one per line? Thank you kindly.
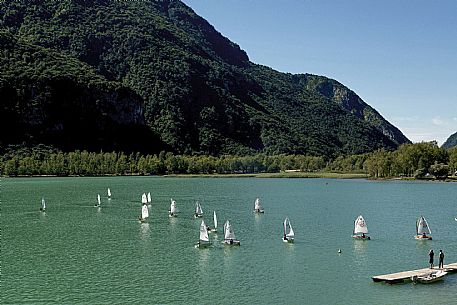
(441, 262)
(431, 254)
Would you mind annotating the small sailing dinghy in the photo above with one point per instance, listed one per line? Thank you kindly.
(214, 230)
(144, 213)
(109, 193)
(429, 278)
(43, 205)
(229, 235)
(173, 212)
(144, 199)
(149, 197)
(203, 241)
(289, 234)
(360, 229)
(98, 201)
(258, 207)
(198, 210)
(422, 229)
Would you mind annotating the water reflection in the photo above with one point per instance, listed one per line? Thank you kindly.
(204, 254)
(144, 230)
(360, 246)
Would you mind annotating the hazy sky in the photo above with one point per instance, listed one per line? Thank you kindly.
(399, 56)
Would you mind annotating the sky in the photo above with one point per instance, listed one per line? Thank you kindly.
(399, 56)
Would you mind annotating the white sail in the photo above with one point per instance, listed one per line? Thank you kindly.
(43, 204)
(198, 209)
(149, 197)
(228, 231)
(291, 233)
(422, 226)
(288, 231)
(144, 200)
(257, 205)
(204, 232)
(144, 212)
(109, 193)
(215, 220)
(98, 199)
(173, 207)
(360, 226)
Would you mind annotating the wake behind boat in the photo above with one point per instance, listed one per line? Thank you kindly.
(360, 229)
(422, 229)
(229, 235)
(289, 235)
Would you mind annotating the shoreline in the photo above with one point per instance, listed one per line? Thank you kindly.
(286, 175)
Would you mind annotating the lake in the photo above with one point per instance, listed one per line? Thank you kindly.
(78, 254)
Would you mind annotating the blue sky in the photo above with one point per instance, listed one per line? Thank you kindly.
(399, 56)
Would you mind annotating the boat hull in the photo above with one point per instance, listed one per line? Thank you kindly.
(420, 237)
(259, 211)
(289, 240)
(429, 278)
(231, 242)
(360, 237)
(202, 244)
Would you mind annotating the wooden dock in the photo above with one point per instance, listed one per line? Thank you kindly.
(405, 276)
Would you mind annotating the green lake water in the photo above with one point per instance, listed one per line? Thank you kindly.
(78, 254)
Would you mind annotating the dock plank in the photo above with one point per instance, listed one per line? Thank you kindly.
(405, 276)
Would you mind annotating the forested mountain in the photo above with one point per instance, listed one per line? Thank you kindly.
(451, 141)
(153, 75)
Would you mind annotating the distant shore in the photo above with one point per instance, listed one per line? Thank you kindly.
(278, 175)
(288, 174)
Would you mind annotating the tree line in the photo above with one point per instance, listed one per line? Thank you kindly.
(409, 160)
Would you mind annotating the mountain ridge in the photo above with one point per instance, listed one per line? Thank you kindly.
(451, 141)
(197, 91)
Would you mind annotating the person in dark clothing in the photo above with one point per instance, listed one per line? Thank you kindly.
(441, 262)
(431, 254)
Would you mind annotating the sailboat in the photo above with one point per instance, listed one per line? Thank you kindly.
(173, 212)
(214, 230)
(289, 234)
(98, 201)
(360, 229)
(422, 229)
(144, 200)
(43, 205)
(229, 235)
(149, 197)
(203, 241)
(258, 206)
(198, 210)
(109, 193)
(144, 213)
